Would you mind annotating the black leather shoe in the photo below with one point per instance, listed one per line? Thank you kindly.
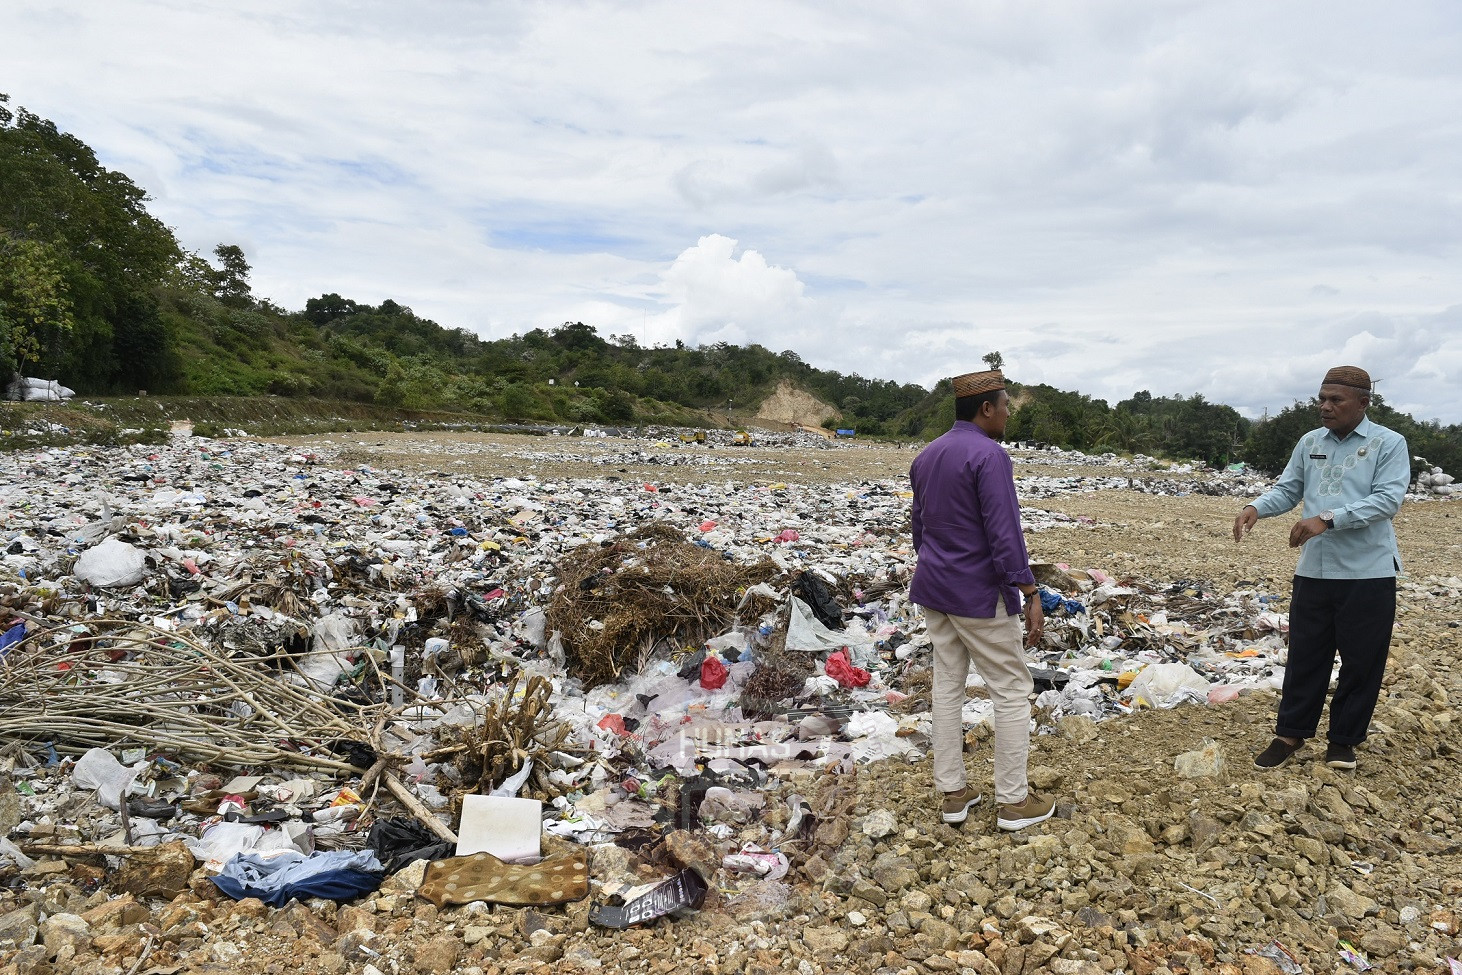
(1278, 752)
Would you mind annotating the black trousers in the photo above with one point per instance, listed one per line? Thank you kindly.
(1352, 617)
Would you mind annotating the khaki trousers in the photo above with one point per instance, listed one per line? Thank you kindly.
(995, 647)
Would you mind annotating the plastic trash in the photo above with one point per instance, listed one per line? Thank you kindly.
(815, 593)
(684, 891)
(112, 564)
(1164, 685)
(713, 674)
(98, 769)
(840, 669)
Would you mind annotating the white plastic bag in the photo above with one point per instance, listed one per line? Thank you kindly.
(1167, 685)
(99, 770)
(111, 564)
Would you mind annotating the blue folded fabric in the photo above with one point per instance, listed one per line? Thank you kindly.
(275, 878)
(12, 636)
(1051, 600)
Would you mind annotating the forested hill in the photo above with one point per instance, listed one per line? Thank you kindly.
(98, 293)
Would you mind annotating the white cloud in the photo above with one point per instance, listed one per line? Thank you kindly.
(1198, 196)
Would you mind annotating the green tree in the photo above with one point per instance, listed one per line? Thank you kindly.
(994, 360)
(110, 254)
(34, 309)
(231, 281)
(391, 391)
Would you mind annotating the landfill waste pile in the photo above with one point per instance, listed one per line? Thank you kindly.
(1432, 480)
(33, 390)
(329, 707)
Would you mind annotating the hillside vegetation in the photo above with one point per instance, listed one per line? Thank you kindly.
(98, 293)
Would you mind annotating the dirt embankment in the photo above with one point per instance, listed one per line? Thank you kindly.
(788, 404)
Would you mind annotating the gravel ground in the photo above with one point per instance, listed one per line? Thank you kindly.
(1141, 871)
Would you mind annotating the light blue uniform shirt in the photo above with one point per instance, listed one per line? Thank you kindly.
(1362, 480)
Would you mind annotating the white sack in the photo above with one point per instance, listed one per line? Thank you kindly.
(110, 564)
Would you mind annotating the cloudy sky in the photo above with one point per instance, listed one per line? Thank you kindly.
(1183, 196)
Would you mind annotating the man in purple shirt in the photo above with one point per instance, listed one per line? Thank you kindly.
(972, 570)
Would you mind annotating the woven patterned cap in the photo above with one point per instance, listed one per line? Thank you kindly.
(975, 383)
(1353, 376)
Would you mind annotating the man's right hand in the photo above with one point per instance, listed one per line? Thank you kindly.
(1245, 522)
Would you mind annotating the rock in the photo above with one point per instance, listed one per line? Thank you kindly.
(765, 900)
(1312, 850)
(405, 880)
(687, 850)
(1078, 727)
(1383, 940)
(1032, 928)
(307, 925)
(439, 955)
(34, 960)
(1126, 837)
(939, 935)
(164, 872)
(825, 939)
(576, 959)
(880, 823)
(1073, 966)
(65, 930)
(249, 907)
(19, 928)
(872, 893)
(358, 946)
(610, 864)
(857, 918)
(976, 961)
(816, 868)
(1258, 965)
(1044, 776)
(916, 902)
(226, 953)
(1348, 903)
(352, 917)
(1037, 953)
(1331, 805)
(1203, 831)
(1201, 763)
(893, 873)
(109, 917)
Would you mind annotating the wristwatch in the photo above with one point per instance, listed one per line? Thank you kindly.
(1328, 517)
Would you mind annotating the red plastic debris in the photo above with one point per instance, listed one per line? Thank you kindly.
(713, 674)
(841, 669)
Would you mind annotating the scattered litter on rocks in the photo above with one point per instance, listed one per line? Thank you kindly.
(563, 710)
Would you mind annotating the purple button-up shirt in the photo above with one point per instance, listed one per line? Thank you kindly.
(972, 555)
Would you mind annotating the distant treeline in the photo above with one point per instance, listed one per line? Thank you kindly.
(96, 292)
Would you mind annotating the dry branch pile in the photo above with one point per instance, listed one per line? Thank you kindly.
(517, 727)
(120, 683)
(615, 604)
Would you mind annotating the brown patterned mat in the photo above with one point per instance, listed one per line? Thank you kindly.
(483, 877)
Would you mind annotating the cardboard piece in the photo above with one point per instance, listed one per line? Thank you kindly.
(509, 829)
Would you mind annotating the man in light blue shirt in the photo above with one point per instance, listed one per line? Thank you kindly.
(1351, 475)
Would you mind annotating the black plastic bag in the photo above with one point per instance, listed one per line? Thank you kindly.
(815, 593)
(399, 842)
